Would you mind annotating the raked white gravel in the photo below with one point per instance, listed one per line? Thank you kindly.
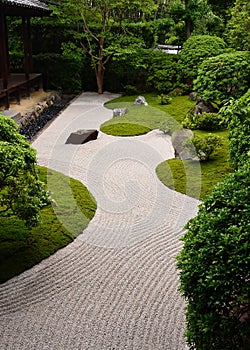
(114, 287)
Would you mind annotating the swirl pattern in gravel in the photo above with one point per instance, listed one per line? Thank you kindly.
(114, 287)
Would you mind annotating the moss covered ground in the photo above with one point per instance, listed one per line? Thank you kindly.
(71, 209)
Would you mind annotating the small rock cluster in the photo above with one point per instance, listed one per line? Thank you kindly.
(140, 101)
(119, 112)
(35, 120)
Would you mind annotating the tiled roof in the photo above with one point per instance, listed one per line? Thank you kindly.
(32, 4)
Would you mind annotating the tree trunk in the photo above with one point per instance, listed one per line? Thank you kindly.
(99, 77)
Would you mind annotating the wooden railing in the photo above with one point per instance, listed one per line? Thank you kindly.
(18, 85)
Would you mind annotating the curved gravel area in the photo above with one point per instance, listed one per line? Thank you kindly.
(115, 286)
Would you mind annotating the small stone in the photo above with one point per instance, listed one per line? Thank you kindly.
(118, 112)
(140, 101)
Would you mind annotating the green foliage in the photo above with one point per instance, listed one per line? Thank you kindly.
(222, 8)
(130, 90)
(128, 72)
(215, 266)
(60, 72)
(22, 247)
(224, 76)
(176, 92)
(162, 72)
(204, 147)
(237, 115)
(104, 30)
(204, 121)
(21, 192)
(195, 50)
(165, 99)
(238, 33)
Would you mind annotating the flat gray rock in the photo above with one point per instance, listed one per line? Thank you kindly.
(82, 136)
(15, 115)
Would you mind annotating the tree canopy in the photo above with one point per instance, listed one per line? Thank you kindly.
(238, 27)
(101, 29)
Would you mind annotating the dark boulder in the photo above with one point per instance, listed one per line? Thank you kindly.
(82, 136)
(204, 106)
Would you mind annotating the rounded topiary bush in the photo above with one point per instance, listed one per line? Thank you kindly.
(195, 50)
(215, 268)
(226, 75)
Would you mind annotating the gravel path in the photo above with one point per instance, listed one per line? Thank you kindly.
(115, 286)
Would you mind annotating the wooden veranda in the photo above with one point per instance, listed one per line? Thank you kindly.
(13, 85)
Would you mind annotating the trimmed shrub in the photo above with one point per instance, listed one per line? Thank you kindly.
(215, 268)
(224, 76)
(165, 99)
(203, 147)
(195, 50)
(162, 72)
(204, 121)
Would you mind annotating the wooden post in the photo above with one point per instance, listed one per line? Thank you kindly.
(29, 45)
(26, 53)
(4, 49)
(25, 47)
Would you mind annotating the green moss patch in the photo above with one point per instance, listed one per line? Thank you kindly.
(71, 210)
(196, 179)
(125, 129)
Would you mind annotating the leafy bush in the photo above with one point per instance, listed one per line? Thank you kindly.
(215, 268)
(162, 72)
(60, 72)
(195, 50)
(128, 71)
(165, 99)
(21, 192)
(237, 33)
(177, 92)
(130, 90)
(204, 121)
(224, 76)
(203, 147)
(237, 115)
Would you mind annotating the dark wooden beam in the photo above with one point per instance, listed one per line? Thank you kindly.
(26, 46)
(4, 50)
(29, 45)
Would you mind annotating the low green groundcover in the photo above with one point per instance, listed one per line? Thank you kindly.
(196, 179)
(70, 212)
(125, 129)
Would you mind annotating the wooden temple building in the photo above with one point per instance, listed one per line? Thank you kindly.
(11, 84)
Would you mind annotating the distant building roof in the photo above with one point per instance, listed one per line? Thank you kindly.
(170, 49)
(12, 6)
